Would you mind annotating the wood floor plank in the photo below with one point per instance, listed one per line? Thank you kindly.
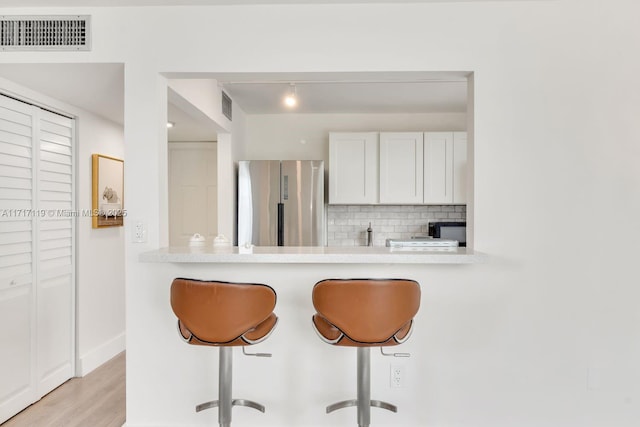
(96, 400)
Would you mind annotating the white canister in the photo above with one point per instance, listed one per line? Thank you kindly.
(221, 241)
(197, 240)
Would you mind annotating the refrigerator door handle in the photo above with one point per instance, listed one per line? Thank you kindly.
(280, 224)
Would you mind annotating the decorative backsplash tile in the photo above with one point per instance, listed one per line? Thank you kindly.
(347, 225)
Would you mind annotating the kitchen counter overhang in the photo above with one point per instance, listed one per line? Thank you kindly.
(313, 255)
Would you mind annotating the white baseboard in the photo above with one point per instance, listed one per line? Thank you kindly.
(101, 354)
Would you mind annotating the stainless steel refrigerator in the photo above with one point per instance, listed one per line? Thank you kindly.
(281, 203)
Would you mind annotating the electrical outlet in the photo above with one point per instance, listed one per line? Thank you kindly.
(139, 232)
(396, 377)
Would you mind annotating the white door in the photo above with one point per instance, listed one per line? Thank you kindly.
(193, 191)
(401, 157)
(17, 237)
(55, 255)
(460, 168)
(438, 167)
(36, 254)
(353, 168)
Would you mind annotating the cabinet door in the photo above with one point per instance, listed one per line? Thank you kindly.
(353, 168)
(459, 167)
(401, 167)
(438, 167)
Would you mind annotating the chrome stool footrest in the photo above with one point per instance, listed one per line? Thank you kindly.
(341, 405)
(248, 404)
(384, 405)
(373, 403)
(207, 405)
(234, 402)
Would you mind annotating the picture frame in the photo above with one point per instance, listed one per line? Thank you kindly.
(107, 201)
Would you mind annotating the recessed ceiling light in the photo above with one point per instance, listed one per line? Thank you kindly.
(170, 125)
(291, 100)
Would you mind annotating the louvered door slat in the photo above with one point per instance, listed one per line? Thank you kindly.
(15, 249)
(60, 128)
(55, 167)
(56, 139)
(15, 150)
(15, 172)
(56, 147)
(14, 138)
(12, 116)
(53, 176)
(24, 183)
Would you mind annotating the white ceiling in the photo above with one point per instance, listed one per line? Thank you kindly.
(99, 88)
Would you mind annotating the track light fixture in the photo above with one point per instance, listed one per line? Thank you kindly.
(291, 100)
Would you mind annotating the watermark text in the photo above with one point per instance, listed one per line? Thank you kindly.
(60, 213)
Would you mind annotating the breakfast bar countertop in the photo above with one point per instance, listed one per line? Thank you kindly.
(313, 255)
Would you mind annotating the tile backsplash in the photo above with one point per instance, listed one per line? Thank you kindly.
(347, 225)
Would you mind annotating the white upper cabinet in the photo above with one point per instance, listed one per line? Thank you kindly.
(445, 164)
(459, 168)
(401, 167)
(438, 167)
(398, 168)
(353, 168)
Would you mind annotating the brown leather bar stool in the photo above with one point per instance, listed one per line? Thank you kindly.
(365, 313)
(224, 315)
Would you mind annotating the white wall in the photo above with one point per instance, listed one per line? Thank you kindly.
(101, 303)
(545, 333)
(238, 151)
(100, 252)
(306, 136)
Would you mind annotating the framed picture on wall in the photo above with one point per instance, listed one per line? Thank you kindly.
(108, 191)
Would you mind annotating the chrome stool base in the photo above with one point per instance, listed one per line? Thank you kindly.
(234, 402)
(373, 403)
(225, 403)
(363, 402)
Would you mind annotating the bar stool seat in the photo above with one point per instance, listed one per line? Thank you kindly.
(224, 315)
(365, 313)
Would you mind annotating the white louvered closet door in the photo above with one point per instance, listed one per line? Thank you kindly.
(55, 255)
(36, 253)
(17, 236)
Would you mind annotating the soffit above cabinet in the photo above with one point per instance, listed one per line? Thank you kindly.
(347, 92)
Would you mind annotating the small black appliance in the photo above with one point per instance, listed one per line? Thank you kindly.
(452, 230)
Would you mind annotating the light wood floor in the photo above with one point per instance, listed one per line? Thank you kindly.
(96, 400)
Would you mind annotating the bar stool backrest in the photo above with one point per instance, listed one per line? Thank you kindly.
(367, 310)
(220, 312)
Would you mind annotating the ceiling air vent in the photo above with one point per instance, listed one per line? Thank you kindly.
(226, 105)
(45, 32)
